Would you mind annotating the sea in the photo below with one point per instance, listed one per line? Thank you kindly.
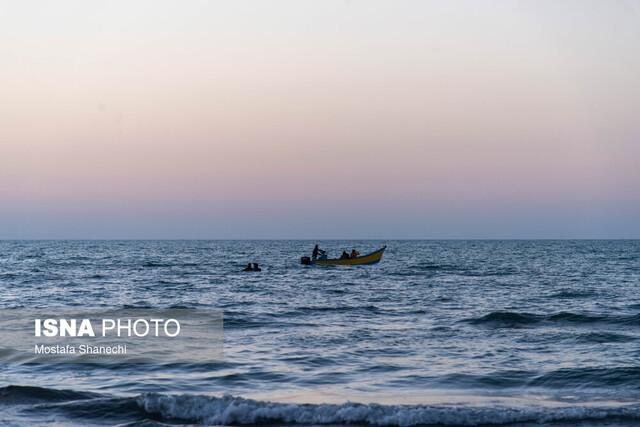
(446, 333)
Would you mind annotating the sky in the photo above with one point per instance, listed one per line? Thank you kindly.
(319, 119)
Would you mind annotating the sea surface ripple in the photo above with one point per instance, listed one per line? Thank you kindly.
(439, 333)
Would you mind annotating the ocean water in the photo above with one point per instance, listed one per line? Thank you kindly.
(439, 333)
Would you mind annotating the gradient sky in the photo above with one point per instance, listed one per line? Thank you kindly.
(320, 119)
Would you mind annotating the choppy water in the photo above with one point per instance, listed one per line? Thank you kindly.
(440, 332)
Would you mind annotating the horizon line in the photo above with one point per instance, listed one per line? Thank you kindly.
(325, 239)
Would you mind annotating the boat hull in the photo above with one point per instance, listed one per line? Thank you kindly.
(372, 258)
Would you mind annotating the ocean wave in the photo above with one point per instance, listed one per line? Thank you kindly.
(231, 410)
(514, 319)
(603, 337)
(505, 318)
(589, 377)
(16, 394)
(155, 264)
(572, 294)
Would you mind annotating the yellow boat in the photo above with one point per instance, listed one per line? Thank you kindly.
(372, 258)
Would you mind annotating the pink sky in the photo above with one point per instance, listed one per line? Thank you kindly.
(320, 119)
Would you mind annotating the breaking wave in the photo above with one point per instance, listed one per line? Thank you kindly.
(232, 410)
(229, 410)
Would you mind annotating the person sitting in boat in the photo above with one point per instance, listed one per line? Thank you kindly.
(354, 253)
(345, 255)
(317, 251)
(256, 267)
(248, 267)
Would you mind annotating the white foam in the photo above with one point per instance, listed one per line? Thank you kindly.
(229, 410)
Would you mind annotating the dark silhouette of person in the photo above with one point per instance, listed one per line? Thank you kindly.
(317, 251)
(354, 253)
(255, 267)
(345, 255)
(248, 267)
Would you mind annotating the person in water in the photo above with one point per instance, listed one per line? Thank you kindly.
(354, 253)
(256, 267)
(345, 255)
(248, 267)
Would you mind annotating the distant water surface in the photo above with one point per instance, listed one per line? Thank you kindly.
(440, 332)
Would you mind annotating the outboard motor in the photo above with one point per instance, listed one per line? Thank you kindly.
(305, 260)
